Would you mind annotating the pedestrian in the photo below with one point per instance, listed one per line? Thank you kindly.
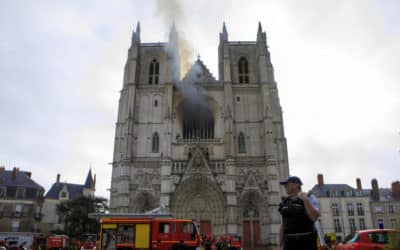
(299, 212)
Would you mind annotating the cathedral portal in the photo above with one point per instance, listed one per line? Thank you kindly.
(200, 198)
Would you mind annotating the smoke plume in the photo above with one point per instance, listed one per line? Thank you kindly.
(171, 12)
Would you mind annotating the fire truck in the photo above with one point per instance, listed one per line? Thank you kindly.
(57, 242)
(147, 231)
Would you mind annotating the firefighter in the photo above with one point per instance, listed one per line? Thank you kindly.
(207, 242)
(298, 211)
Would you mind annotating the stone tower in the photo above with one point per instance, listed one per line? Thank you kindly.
(202, 148)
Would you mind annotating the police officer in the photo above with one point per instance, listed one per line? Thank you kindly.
(298, 212)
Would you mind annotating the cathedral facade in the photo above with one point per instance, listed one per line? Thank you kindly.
(202, 148)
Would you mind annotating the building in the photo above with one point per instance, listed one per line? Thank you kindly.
(385, 205)
(20, 201)
(343, 209)
(59, 192)
(203, 148)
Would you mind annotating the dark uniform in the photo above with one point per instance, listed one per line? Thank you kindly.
(298, 229)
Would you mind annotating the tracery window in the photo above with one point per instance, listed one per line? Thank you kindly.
(243, 70)
(154, 71)
(241, 143)
(155, 143)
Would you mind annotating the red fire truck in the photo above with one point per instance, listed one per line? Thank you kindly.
(57, 242)
(142, 231)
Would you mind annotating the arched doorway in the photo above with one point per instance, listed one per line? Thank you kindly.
(199, 197)
(251, 209)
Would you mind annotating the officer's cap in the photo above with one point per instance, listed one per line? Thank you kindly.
(292, 179)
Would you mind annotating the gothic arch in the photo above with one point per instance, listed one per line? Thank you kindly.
(143, 202)
(155, 143)
(243, 68)
(241, 143)
(252, 214)
(154, 71)
(201, 198)
(251, 200)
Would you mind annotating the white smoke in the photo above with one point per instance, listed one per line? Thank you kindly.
(194, 94)
(171, 12)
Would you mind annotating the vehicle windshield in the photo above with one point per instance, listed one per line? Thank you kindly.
(353, 237)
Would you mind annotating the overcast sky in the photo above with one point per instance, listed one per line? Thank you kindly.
(336, 65)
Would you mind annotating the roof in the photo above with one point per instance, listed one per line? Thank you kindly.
(89, 180)
(198, 73)
(385, 195)
(74, 190)
(336, 190)
(21, 179)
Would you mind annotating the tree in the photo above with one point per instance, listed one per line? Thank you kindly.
(75, 214)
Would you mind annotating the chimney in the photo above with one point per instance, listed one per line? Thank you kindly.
(58, 178)
(2, 168)
(14, 173)
(375, 190)
(320, 180)
(29, 174)
(396, 188)
(358, 182)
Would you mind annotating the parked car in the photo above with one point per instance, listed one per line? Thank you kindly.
(372, 239)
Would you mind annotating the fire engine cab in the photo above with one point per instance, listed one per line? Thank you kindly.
(147, 231)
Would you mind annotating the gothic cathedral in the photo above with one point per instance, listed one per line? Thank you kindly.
(202, 148)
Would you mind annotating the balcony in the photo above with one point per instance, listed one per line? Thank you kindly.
(194, 141)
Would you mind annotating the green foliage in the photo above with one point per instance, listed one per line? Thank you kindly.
(75, 214)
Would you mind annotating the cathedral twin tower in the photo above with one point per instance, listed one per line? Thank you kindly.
(202, 148)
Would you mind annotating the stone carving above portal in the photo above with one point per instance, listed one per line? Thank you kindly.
(251, 181)
(197, 164)
(146, 179)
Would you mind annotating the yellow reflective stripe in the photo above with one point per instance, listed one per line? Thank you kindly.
(109, 226)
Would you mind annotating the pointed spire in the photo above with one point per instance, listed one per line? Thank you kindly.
(173, 53)
(224, 28)
(89, 180)
(173, 34)
(173, 40)
(223, 37)
(138, 30)
(261, 36)
(136, 35)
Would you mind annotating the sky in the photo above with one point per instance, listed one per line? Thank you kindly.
(336, 66)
